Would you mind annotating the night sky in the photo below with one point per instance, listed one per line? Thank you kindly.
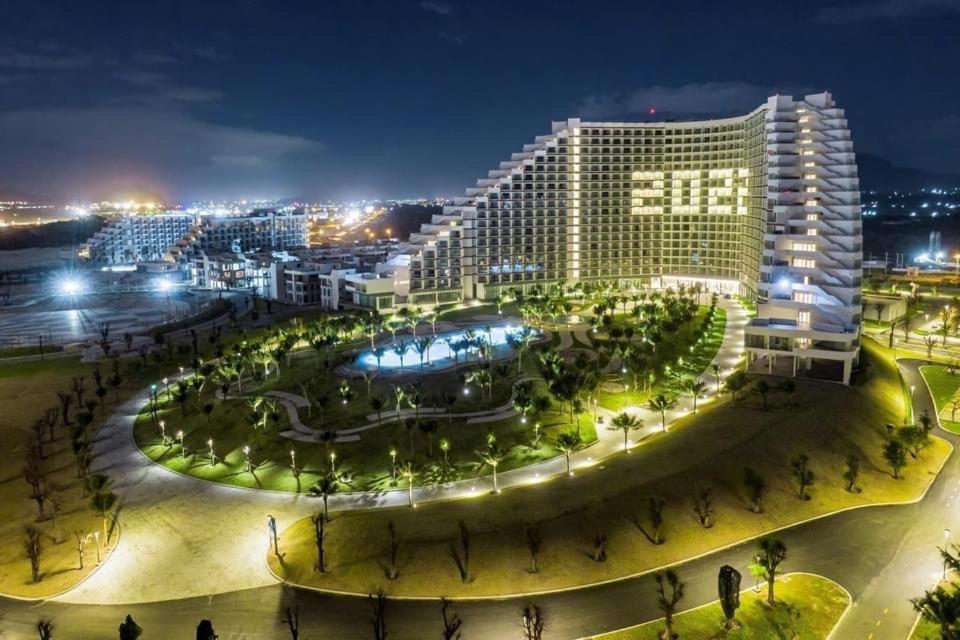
(407, 98)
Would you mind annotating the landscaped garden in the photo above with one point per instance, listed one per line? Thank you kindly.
(944, 383)
(362, 403)
(763, 459)
(808, 608)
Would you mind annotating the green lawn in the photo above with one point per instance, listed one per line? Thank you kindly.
(826, 421)
(366, 464)
(943, 385)
(808, 608)
(694, 363)
(18, 352)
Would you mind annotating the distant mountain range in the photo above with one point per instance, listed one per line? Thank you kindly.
(878, 174)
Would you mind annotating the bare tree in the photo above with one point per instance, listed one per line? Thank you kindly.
(319, 520)
(81, 538)
(378, 618)
(668, 602)
(392, 569)
(33, 548)
(292, 620)
(532, 622)
(35, 476)
(599, 546)
(451, 623)
(45, 629)
(703, 506)
(531, 534)
(461, 557)
(65, 401)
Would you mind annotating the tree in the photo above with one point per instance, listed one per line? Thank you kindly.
(800, 465)
(461, 556)
(378, 617)
(626, 423)
(756, 486)
(661, 404)
(914, 438)
(852, 473)
(695, 389)
(896, 456)
(567, 443)
(318, 519)
(929, 342)
(668, 602)
(762, 389)
(205, 631)
(531, 535)
(703, 506)
(45, 629)
(734, 383)
(377, 403)
(102, 503)
(941, 607)
(492, 456)
(292, 620)
(129, 630)
(772, 553)
(34, 549)
(715, 369)
(326, 486)
(451, 623)
(728, 585)
(532, 622)
(36, 477)
(655, 507)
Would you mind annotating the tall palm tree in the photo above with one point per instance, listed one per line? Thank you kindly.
(567, 443)
(668, 603)
(102, 503)
(626, 423)
(401, 350)
(324, 488)
(694, 388)
(661, 404)
(492, 456)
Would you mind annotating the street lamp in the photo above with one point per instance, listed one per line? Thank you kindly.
(213, 457)
(163, 432)
(181, 372)
(393, 462)
(333, 463)
(166, 383)
(293, 462)
(183, 452)
(96, 538)
(246, 458)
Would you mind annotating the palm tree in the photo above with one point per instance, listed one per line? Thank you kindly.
(734, 383)
(941, 607)
(567, 443)
(493, 455)
(410, 473)
(377, 403)
(325, 487)
(762, 389)
(401, 350)
(694, 388)
(378, 354)
(715, 368)
(626, 423)
(399, 394)
(772, 553)
(661, 404)
(102, 503)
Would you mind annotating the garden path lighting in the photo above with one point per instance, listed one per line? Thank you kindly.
(213, 457)
(333, 463)
(166, 383)
(163, 432)
(96, 538)
(293, 462)
(393, 462)
(246, 458)
(183, 451)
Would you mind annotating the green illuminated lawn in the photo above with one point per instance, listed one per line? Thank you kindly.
(825, 421)
(808, 608)
(943, 385)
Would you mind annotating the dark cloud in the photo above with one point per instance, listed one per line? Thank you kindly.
(886, 10)
(44, 62)
(154, 58)
(160, 85)
(697, 99)
(439, 8)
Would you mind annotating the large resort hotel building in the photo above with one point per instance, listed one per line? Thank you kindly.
(764, 205)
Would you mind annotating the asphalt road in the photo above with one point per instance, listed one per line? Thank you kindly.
(881, 555)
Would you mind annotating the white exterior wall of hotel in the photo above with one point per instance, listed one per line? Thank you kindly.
(812, 268)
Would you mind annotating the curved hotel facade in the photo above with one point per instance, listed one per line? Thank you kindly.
(764, 205)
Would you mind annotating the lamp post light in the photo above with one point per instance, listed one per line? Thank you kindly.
(333, 463)
(246, 458)
(166, 383)
(96, 539)
(153, 400)
(393, 462)
(213, 457)
(163, 432)
(183, 451)
(181, 372)
(293, 462)
(272, 532)
(466, 391)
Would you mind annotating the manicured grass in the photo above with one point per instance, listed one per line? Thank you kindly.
(943, 386)
(808, 608)
(19, 352)
(26, 390)
(364, 464)
(825, 421)
(694, 364)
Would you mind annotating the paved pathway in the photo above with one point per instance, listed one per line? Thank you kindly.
(188, 537)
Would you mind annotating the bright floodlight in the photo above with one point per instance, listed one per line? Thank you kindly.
(165, 285)
(70, 286)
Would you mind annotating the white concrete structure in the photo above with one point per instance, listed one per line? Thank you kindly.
(128, 239)
(764, 205)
